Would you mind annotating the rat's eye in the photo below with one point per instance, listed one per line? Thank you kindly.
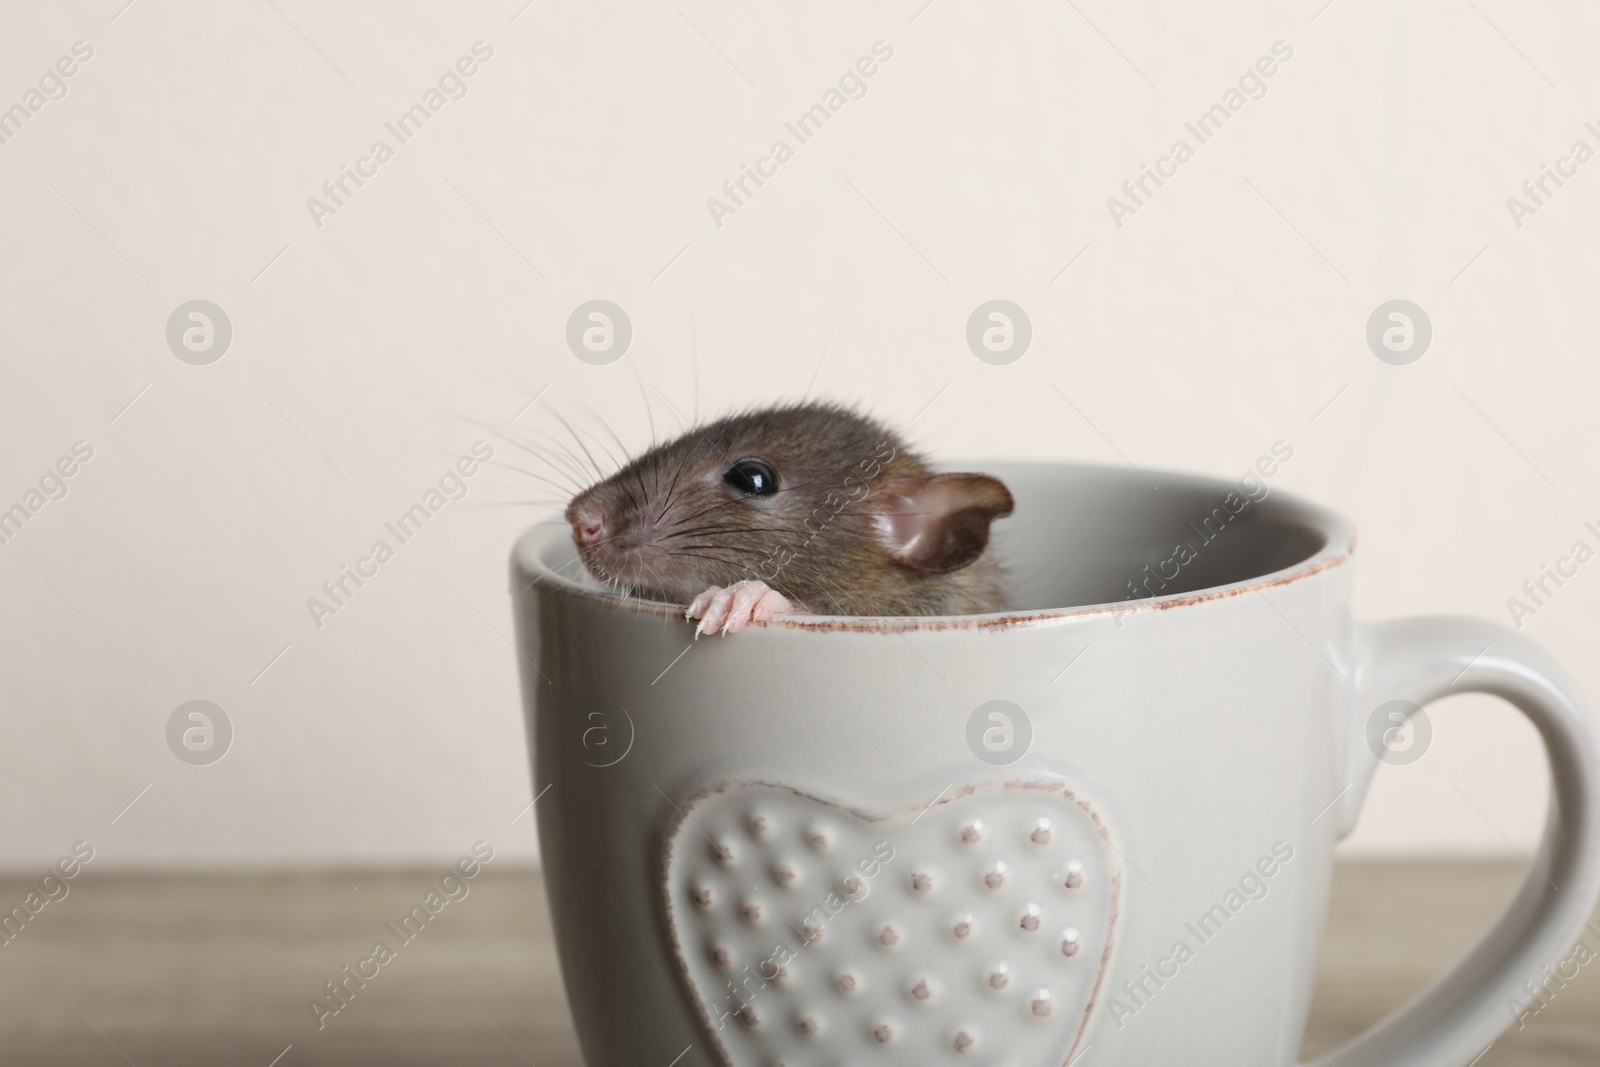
(752, 477)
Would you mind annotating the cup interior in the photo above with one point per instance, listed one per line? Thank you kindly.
(1085, 535)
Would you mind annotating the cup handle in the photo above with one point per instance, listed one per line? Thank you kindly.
(1422, 659)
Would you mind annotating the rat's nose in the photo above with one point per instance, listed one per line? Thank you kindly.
(587, 528)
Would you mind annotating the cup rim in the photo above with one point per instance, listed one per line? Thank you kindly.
(1338, 547)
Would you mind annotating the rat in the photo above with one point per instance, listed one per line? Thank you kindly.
(807, 508)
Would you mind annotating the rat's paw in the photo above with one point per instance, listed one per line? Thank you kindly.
(733, 608)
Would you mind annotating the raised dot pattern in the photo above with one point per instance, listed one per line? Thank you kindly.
(976, 930)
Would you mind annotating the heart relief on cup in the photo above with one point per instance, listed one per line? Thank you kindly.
(971, 927)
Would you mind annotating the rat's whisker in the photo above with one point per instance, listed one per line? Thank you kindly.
(713, 530)
(558, 463)
(626, 456)
(639, 475)
(854, 541)
(655, 470)
(562, 419)
(616, 465)
(622, 483)
(649, 412)
(552, 504)
(797, 540)
(535, 475)
(673, 488)
(683, 421)
(720, 552)
(735, 502)
(714, 559)
(512, 439)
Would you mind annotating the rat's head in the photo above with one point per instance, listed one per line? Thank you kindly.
(822, 504)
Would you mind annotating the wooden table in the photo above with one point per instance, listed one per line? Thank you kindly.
(191, 969)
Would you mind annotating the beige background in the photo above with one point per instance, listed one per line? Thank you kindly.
(1227, 313)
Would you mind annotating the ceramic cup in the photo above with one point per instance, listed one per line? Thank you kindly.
(1095, 830)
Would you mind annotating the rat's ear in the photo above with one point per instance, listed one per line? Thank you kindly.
(941, 523)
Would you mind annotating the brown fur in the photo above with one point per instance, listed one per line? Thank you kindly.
(674, 529)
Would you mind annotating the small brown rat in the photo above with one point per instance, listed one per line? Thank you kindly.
(805, 508)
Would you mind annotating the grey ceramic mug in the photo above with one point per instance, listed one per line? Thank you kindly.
(1096, 830)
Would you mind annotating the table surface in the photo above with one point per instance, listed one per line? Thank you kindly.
(179, 969)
